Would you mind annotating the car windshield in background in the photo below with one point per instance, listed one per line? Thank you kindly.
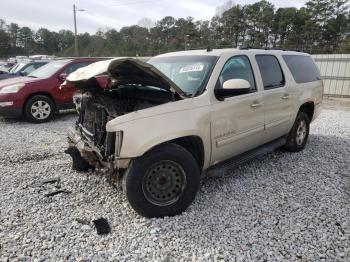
(190, 73)
(49, 69)
(19, 67)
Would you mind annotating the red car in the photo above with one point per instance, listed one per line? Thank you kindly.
(38, 96)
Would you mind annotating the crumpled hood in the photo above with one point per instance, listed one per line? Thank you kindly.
(16, 80)
(125, 71)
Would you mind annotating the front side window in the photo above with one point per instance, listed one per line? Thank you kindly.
(271, 71)
(237, 67)
(189, 73)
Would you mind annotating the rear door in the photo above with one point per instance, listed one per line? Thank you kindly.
(277, 97)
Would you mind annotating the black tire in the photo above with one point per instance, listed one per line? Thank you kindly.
(174, 162)
(42, 103)
(294, 141)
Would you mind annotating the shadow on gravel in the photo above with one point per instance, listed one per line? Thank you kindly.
(324, 163)
(62, 116)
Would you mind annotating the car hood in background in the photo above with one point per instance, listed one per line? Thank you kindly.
(125, 71)
(17, 80)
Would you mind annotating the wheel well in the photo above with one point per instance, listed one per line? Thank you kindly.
(39, 94)
(192, 144)
(308, 108)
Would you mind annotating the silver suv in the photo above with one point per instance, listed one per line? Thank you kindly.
(159, 126)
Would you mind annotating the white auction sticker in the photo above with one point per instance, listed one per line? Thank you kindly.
(192, 68)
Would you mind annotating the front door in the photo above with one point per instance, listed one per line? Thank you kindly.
(67, 90)
(237, 123)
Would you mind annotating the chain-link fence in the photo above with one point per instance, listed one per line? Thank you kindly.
(335, 72)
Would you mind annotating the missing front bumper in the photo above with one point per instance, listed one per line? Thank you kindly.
(93, 155)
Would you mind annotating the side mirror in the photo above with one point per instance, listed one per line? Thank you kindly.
(62, 77)
(23, 73)
(233, 87)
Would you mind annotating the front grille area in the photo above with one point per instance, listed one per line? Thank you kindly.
(94, 121)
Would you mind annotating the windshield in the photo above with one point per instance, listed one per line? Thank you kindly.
(49, 69)
(190, 73)
(19, 68)
(14, 68)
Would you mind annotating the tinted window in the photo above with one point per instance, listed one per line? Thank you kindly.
(271, 71)
(302, 68)
(74, 67)
(238, 67)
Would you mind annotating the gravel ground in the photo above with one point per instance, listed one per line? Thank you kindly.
(281, 207)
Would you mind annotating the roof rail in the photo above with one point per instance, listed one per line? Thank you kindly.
(268, 48)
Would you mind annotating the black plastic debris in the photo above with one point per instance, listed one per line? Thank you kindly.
(51, 180)
(57, 192)
(102, 226)
(82, 221)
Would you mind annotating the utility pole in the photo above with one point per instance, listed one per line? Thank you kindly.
(185, 40)
(75, 10)
(76, 52)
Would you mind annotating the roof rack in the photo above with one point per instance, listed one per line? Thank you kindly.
(268, 48)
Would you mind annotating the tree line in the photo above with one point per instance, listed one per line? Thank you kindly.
(321, 26)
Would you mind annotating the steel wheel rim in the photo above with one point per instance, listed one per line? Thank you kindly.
(40, 109)
(301, 132)
(164, 183)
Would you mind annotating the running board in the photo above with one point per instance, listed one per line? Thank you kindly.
(234, 162)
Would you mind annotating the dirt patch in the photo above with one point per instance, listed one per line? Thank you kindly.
(336, 103)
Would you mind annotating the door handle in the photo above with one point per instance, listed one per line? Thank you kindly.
(255, 105)
(285, 96)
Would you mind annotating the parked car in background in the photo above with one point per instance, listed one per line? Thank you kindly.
(38, 96)
(21, 58)
(22, 69)
(12, 60)
(158, 126)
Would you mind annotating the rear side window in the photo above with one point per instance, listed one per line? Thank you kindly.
(271, 71)
(74, 67)
(302, 68)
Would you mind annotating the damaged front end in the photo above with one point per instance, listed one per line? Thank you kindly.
(130, 85)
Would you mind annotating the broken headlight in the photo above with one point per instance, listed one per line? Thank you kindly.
(113, 143)
(118, 142)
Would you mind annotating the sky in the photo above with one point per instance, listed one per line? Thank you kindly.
(55, 15)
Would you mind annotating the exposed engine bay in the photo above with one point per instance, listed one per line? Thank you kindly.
(96, 109)
(131, 85)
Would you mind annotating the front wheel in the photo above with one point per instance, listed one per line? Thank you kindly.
(39, 109)
(163, 182)
(297, 137)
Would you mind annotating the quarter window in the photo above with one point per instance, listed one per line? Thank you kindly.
(237, 67)
(271, 71)
(302, 68)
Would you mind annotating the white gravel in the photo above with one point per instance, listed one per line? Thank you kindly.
(281, 207)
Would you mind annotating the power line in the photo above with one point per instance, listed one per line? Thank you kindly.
(122, 4)
(104, 18)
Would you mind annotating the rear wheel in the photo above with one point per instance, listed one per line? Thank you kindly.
(163, 182)
(39, 109)
(297, 137)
